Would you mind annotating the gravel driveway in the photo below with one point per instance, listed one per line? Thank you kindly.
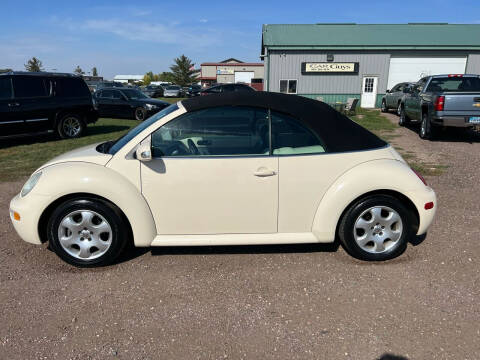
(286, 302)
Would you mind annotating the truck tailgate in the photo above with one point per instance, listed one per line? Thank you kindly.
(462, 103)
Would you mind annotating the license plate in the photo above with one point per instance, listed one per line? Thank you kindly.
(474, 120)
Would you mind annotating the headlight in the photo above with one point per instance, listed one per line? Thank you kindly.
(150, 106)
(30, 184)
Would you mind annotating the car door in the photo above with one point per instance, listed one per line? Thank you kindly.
(414, 100)
(389, 97)
(120, 105)
(104, 102)
(33, 102)
(211, 173)
(10, 123)
(397, 95)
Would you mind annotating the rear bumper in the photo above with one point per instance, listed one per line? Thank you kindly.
(420, 198)
(453, 121)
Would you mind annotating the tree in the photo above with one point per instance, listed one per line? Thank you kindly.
(5, 70)
(166, 76)
(182, 71)
(34, 65)
(78, 70)
(94, 71)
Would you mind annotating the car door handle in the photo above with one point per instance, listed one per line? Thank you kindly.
(13, 104)
(263, 172)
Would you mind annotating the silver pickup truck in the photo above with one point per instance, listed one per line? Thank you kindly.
(442, 100)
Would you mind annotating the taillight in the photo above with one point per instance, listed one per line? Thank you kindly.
(420, 177)
(455, 75)
(440, 103)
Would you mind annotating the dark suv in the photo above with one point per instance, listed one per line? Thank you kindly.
(37, 102)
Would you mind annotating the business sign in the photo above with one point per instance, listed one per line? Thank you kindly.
(225, 71)
(330, 68)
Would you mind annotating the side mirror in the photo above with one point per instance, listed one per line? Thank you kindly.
(388, 91)
(144, 152)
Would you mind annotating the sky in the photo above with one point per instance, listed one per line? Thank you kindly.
(133, 37)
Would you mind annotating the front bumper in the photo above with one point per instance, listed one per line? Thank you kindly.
(30, 209)
(453, 121)
(420, 198)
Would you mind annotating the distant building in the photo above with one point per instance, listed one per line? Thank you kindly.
(127, 79)
(334, 62)
(231, 71)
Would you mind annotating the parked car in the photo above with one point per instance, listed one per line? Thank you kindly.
(173, 91)
(127, 103)
(442, 100)
(40, 102)
(228, 169)
(153, 91)
(393, 97)
(224, 88)
(193, 90)
(109, 84)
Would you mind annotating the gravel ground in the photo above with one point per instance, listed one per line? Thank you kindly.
(287, 302)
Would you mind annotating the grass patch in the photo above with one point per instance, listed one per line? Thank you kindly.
(21, 156)
(373, 121)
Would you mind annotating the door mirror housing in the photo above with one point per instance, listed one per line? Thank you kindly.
(388, 91)
(144, 152)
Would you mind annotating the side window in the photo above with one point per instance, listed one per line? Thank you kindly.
(71, 87)
(106, 94)
(288, 86)
(400, 88)
(117, 95)
(5, 88)
(395, 88)
(290, 137)
(29, 86)
(221, 131)
(420, 85)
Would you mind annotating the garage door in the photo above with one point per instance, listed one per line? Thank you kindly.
(411, 69)
(244, 76)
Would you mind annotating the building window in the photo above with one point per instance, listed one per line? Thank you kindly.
(288, 86)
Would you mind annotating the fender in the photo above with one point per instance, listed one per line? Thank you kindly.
(68, 178)
(366, 177)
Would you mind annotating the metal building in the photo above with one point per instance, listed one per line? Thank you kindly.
(333, 62)
(231, 71)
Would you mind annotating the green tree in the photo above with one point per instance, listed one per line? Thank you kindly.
(5, 70)
(34, 65)
(166, 76)
(94, 71)
(78, 70)
(182, 71)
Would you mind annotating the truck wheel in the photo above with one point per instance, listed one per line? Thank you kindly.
(70, 126)
(426, 128)
(384, 107)
(403, 120)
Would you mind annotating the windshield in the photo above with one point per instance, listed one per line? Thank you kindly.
(134, 94)
(117, 145)
(454, 84)
(173, 87)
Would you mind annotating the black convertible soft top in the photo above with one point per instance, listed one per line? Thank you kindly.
(338, 132)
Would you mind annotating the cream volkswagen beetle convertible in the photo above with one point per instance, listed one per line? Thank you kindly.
(245, 168)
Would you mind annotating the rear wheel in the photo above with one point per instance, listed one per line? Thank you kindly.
(70, 126)
(376, 228)
(87, 232)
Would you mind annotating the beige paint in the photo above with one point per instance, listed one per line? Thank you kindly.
(219, 200)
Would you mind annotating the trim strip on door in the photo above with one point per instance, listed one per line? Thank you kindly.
(11, 122)
(35, 120)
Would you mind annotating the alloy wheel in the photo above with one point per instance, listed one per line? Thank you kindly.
(72, 126)
(378, 229)
(85, 234)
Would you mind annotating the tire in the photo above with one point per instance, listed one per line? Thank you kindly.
(139, 114)
(71, 126)
(87, 232)
(384, 108)
(399, 109)
(403, 120)
(373, 244)
(426, 129)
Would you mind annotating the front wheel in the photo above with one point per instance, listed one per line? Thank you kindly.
(87, 232)
(140, 114)
(376, 228)
(70, 126)
(403, 120)
(384, 107)
(426, 130)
